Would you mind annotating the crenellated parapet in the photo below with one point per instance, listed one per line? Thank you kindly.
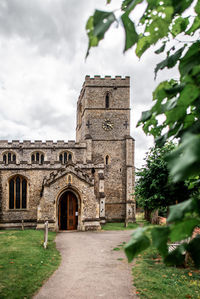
(39, 144)
(117, 80)
(107, 81)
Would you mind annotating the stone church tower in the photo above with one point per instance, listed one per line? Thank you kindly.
(76, 184)
(103, 119)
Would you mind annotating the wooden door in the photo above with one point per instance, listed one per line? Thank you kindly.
(71, 211)
(63, 212)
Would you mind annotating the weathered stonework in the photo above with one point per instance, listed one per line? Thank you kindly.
(97, 169)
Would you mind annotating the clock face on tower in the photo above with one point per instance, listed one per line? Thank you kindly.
(107, 125)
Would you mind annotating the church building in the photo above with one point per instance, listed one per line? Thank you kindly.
(75, 185)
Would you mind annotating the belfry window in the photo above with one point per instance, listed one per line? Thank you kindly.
(37, 157)
(42, 159)
(9, 157)
(107, 101)
(65, 157)
(18, 193)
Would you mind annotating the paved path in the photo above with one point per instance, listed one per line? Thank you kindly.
(90, 268)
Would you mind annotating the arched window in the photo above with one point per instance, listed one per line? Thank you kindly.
(107, 100)
(107, 160)
(9, 157)
(65, 157)
(11, 194)
(17, 193)
(37, 157)
(42, 159)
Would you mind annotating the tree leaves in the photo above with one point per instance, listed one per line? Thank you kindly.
(178, 211)
(170, 61)
(185, 160)
(129, 5)
(161, 49)
(176, 257)
(131, 34)
(194, 248)
(160, 237)
(157, 26)
(138, 242)
(195, 26)
(97, 25)
(179, 26)
(183, 229)
(181, 6)
(190, 59)
(154, 188)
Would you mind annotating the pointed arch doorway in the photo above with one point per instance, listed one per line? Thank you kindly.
(68, 211)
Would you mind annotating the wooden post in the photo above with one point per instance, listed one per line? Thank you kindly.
(22, 224)
(45, 234)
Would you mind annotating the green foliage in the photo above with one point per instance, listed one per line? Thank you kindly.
(160, 238)
(170, 61)
(177, 100)
(131, 34)
(154, 188)
(182, 220)
(138, 242)
(176, 257)
(97, 25)
(164, 21)
(194, 248)
(182, 230)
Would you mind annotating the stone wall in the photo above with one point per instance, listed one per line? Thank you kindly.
(103, 187)
(91, 106)
(114, 176)
(50, 149)
(88, 205)
(91, 114)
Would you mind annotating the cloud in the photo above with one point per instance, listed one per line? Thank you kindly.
(42, 49)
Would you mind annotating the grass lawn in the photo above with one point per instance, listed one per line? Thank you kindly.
(154, 280)
(118, 226)
(24, 263)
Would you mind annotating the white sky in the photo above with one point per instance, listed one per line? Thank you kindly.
(42, 50)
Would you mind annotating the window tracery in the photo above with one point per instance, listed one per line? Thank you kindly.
(9, 157)
(18, 193)
(65, 157)
(37, 157)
